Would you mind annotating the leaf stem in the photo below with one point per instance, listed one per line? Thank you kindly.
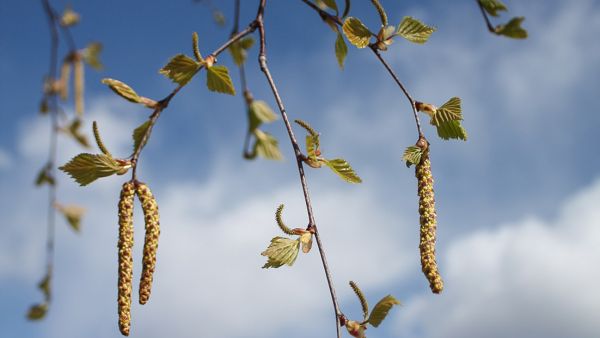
(488, 23)
(262, 59)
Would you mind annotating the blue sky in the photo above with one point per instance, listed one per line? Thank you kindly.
(519, 221)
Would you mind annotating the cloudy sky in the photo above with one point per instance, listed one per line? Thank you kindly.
(518, 203)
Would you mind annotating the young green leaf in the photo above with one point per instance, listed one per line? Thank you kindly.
(312, 148)
(180, 69)
(357, 33)
(218, 80)
(44, 176)
(239, 49)
(280, 222)
(266, 145)
(69, 17)
(493, 6)
(412, 155)
(342, 169)
(452, 130)
(281, 251)
(381, 309)
(72, 214)
(138, 135)
(37, 311)
(414, 30)
(86, 168)
(91, 55)
(341, 50)
(306, 240)
(74, 130)
(449, 111)
(512, 29)
(259, 112)
(44, 286)
(362, 299)
(122, 89)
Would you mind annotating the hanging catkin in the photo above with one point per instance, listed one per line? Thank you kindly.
(427, 219)
(125, 256)
(151, 218)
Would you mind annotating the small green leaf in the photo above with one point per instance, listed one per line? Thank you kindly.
(86, 168)
(312, 147)
(412, 155)
(306, 240)
(138, 135)
(239, 49)
(91, 55)
(69, 17)
(512, 29)
(281, 251)
(72, 214)
(44, 286)
(219, 18)
(74, 130)
(493, 6)
(341, 50)
(44, 176)
(414, 30)
(357, 33)
(37, 311)
(361, 298)
(342, 169)
(266, 145)
(259, 112)
(331, 4)
(218, 80)
(180, 69)
(381, 309)
(122, 89)
(449, 111)
(452, 130)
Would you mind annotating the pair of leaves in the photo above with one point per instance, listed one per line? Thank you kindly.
(446, 119)
(265, 146)
(181, 69)
(512, 28)
(380, 311)
(38, 311)
(338, 165)
(410, 29)
(73, 129)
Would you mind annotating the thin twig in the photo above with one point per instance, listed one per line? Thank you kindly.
(488, 23)
(262, 58)
(164, 103)
(337, 20)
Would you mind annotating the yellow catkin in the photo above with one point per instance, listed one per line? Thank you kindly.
(151, 218)
(428, 223)
(125, 256)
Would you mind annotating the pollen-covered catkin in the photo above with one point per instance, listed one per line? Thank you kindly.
(151, 218)
(125, 256)
(428, 223)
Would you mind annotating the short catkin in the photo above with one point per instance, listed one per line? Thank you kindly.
(428, 222)
(125, 256)
(151, 218)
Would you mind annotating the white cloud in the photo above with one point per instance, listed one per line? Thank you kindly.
(531, 278)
